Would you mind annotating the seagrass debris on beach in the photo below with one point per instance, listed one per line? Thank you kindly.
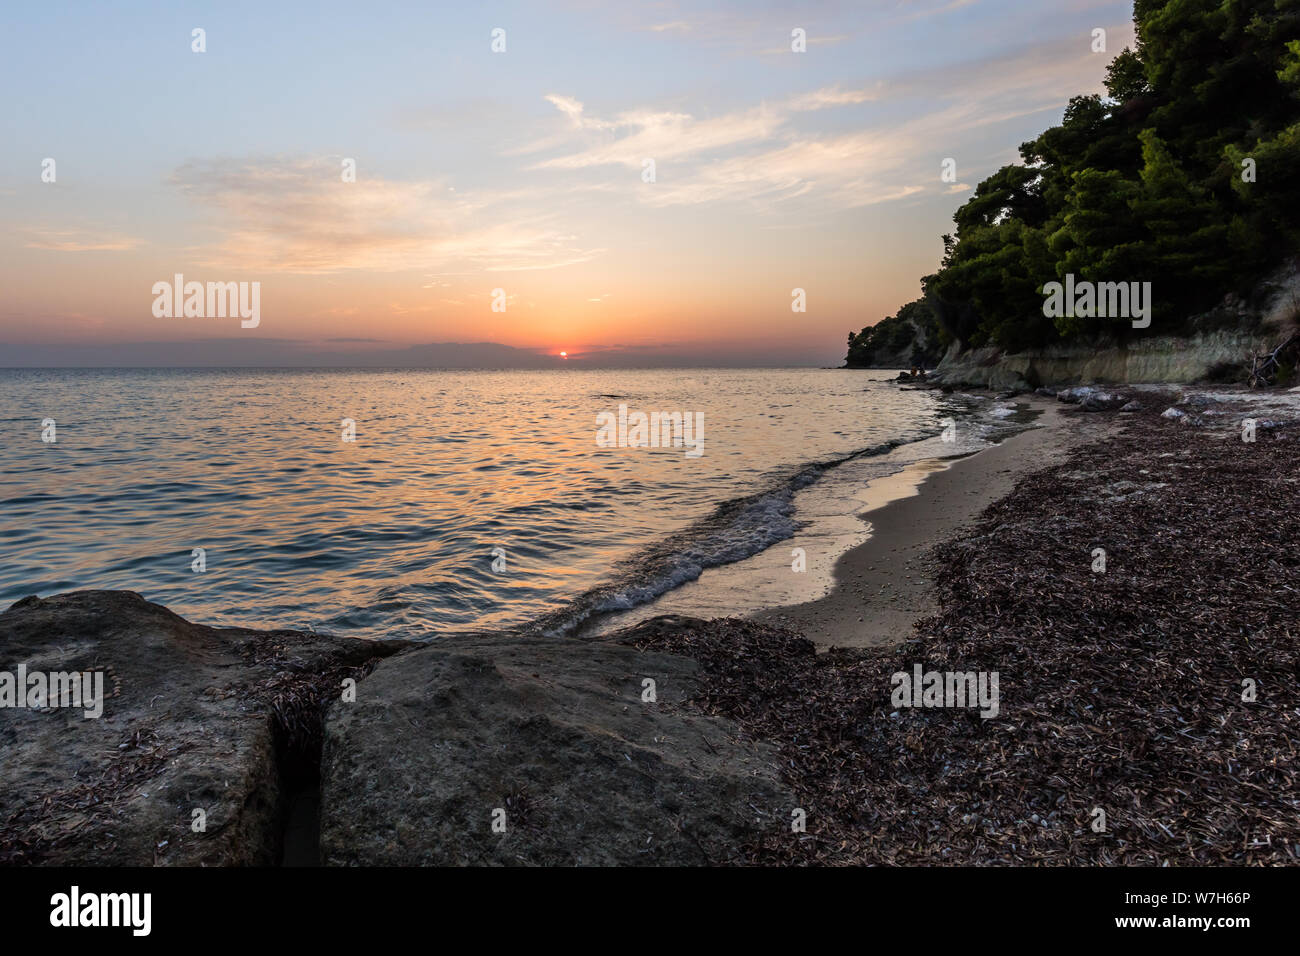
(1120, 690)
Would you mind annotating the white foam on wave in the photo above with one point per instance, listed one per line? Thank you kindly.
(761, 523)
(742, 528)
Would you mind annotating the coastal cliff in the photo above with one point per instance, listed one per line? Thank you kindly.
(1157, 360)
(1215, 347)
(1166, 199)
(1218, 348)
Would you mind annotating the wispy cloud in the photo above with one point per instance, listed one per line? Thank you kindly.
(830, 96)
(299, 216)
(78, 240)
(811, 40)
(664, 135)
(675, 25)
(924, 11)
(763, 154)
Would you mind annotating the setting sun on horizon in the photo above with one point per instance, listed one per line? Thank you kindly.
(915, 486)
(573, 181)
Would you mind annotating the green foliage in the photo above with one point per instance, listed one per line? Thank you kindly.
(1290, 72)
(909, 337)
(1147, 185)
(1126, 77)
(1272, 203)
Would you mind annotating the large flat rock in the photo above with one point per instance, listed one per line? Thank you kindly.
(555, 733)
(192, 719)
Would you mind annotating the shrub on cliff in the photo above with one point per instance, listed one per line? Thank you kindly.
(1186, 175)
(911, 336)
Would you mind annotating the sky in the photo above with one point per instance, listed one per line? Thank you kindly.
(503, 210)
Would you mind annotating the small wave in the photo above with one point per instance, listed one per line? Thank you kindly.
(741, 528)
(737, 529)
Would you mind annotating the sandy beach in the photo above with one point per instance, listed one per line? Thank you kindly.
(1145, 711)
(1131, 728)
(885, 585)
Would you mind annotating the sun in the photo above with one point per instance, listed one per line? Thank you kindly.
(564, 355)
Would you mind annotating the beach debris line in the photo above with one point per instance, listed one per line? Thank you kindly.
(1148, 715)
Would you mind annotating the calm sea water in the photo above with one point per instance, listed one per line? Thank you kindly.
(451, 473)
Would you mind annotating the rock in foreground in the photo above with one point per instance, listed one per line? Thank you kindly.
(225, 726)
(194, 718)
(552, 739)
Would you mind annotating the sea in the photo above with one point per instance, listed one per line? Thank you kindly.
(426, 504)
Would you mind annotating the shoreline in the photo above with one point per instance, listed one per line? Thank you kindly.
(831, 517)
(884, 585)
(684, 741)
(1130, 727)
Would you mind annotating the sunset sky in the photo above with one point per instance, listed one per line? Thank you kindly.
(519, 170)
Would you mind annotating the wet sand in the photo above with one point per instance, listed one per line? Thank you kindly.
(1155, 695)
(885, 584)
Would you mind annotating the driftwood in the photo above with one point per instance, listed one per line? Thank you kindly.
(1264, 368)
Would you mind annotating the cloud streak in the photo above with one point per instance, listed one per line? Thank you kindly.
(78, 240)
(764, 155)
(299, 216)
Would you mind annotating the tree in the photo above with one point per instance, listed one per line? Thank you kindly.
(1144, 185)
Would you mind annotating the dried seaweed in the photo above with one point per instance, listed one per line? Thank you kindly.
(32, 832)
(1120, 690)
(300, 690)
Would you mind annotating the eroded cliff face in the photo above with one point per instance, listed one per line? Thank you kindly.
(1161, 359)
(1231, 335)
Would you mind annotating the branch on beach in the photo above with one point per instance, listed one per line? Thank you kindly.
(1264, 369)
